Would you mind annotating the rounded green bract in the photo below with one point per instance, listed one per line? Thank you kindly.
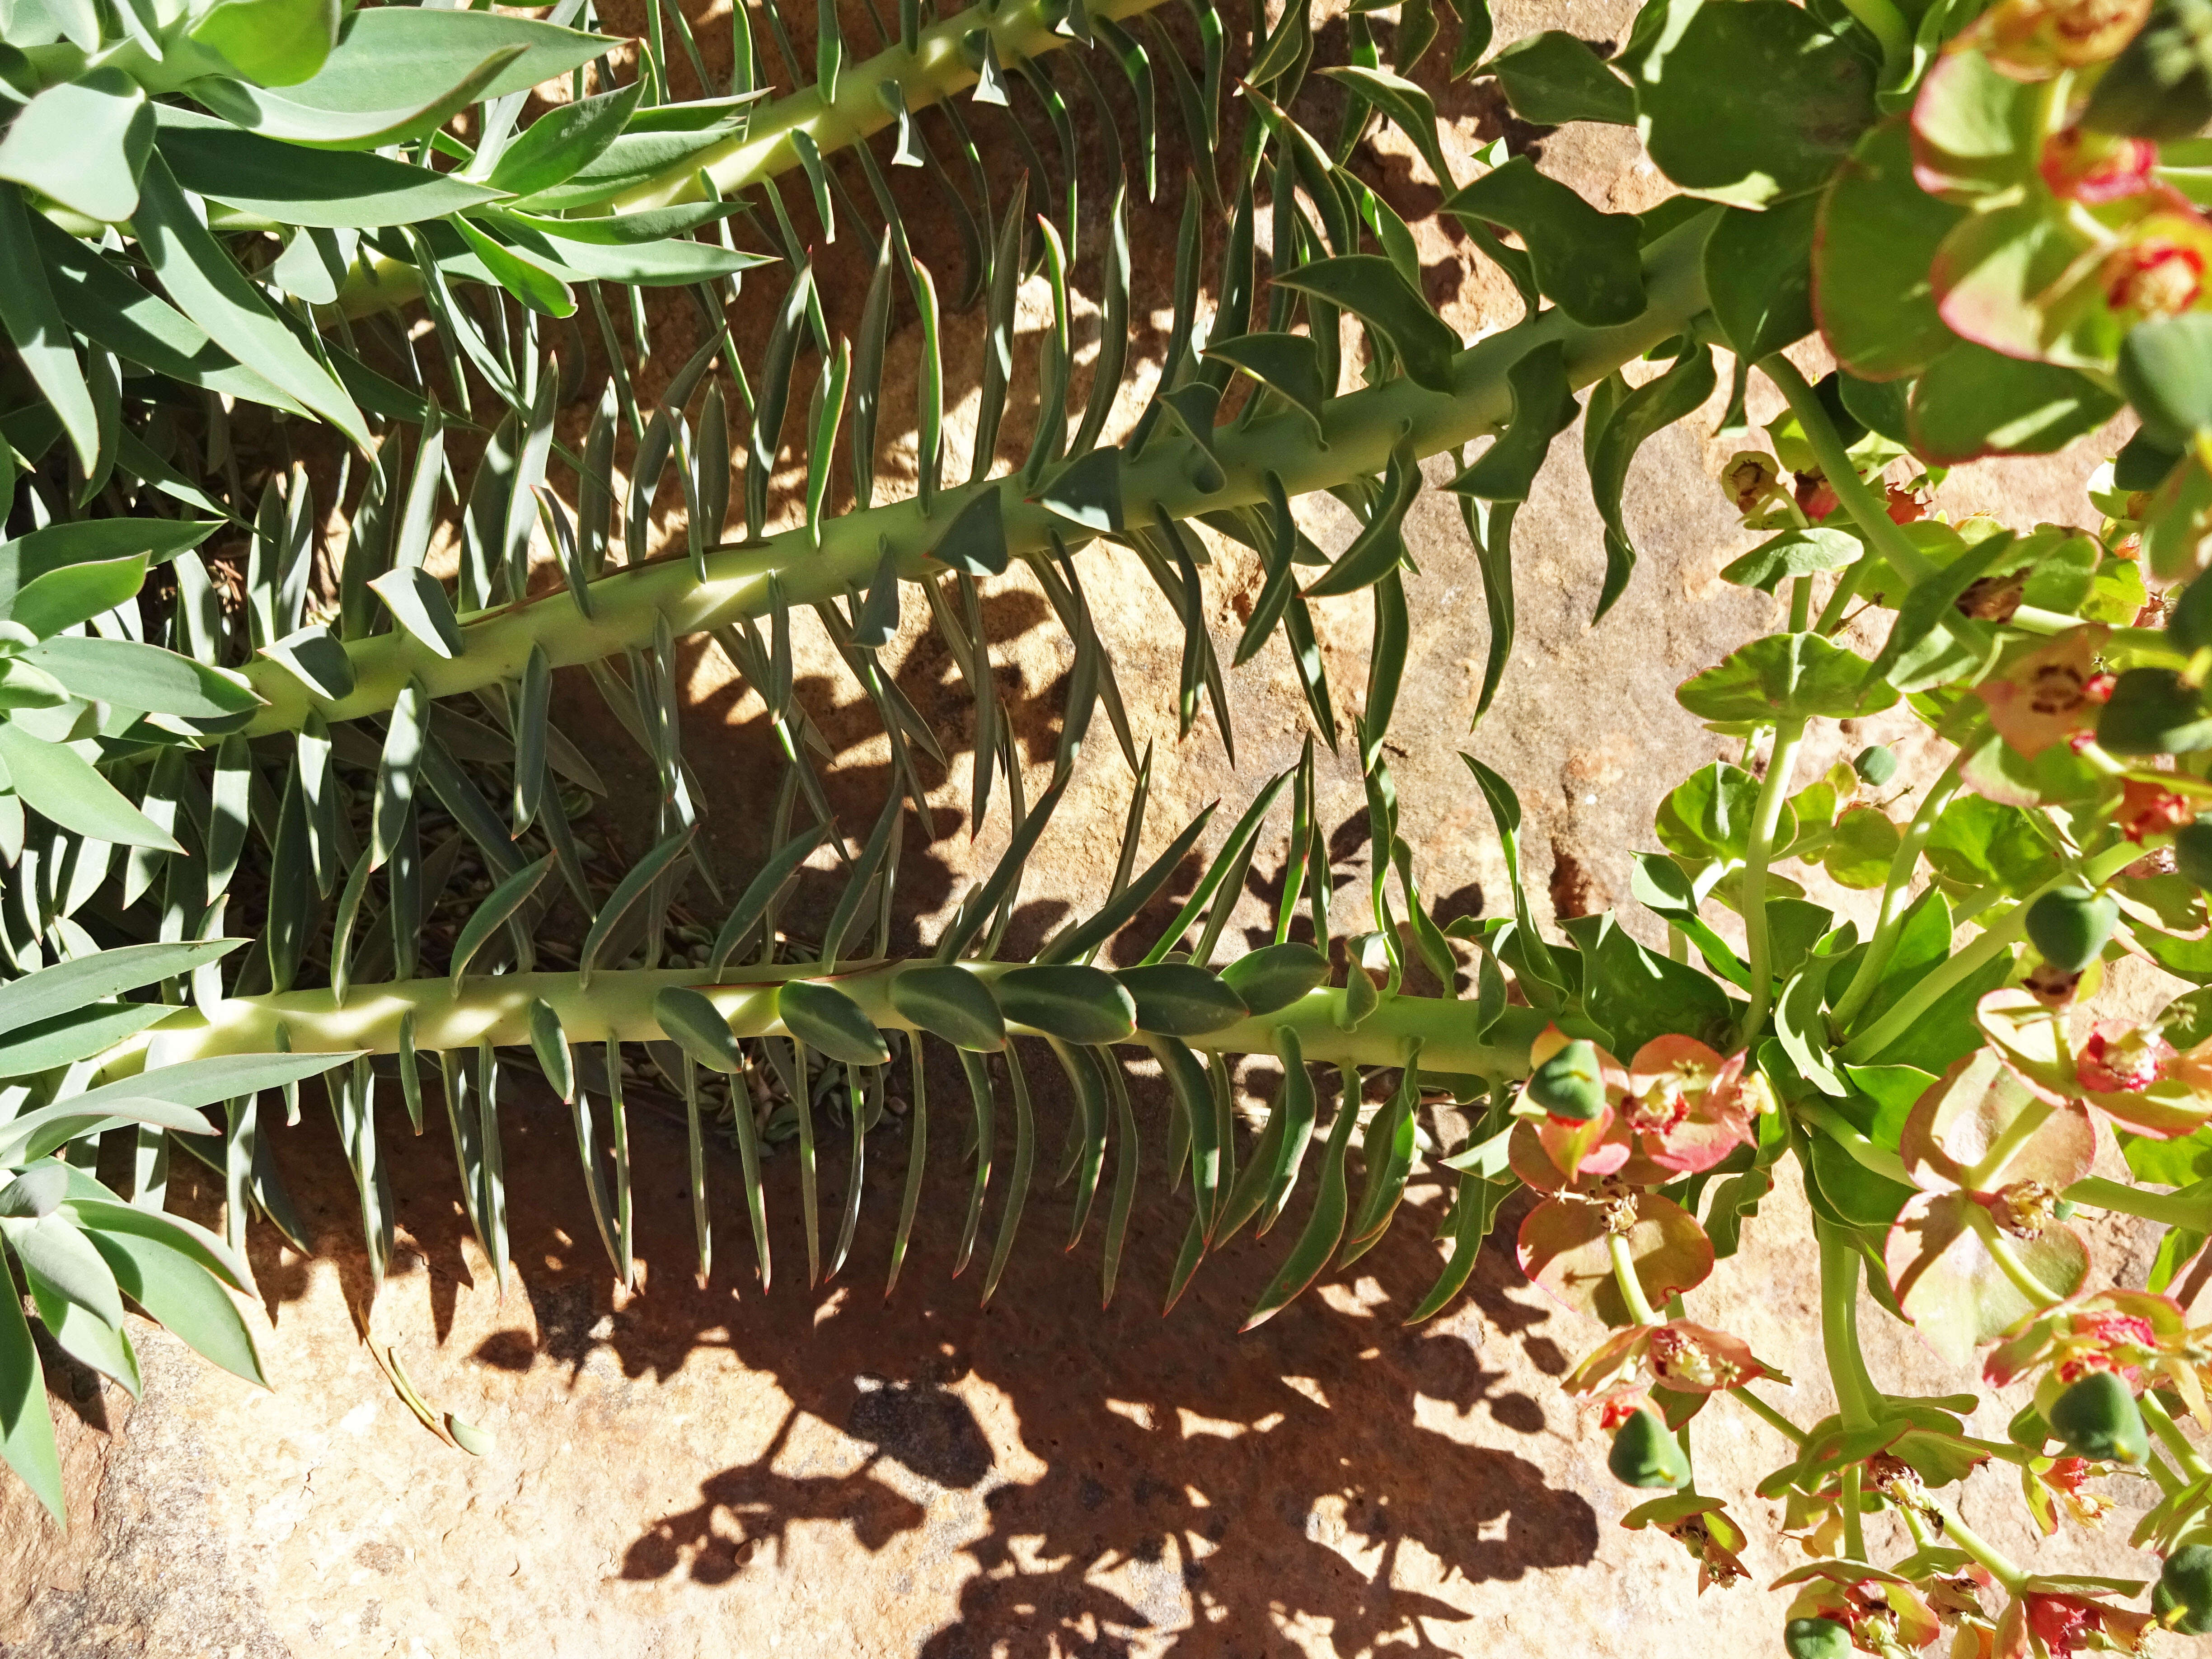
(824, 1018)
(2192, 853)
(1180, 999)
(948, 1001)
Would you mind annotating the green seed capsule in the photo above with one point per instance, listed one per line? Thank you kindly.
(2097, 1417)
(2189, 621)
(2070, 926)
(1876, 764)
(1570, 1084)
(2192, 853)
(2188, 1573)
(2152, 713)
(1646, 1453)
(1815, 1638)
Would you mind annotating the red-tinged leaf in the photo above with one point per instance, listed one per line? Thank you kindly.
(1954, 1288)
(1955, 1124)
(1563, 1249)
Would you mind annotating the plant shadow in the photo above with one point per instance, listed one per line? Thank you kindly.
(1116, 1482)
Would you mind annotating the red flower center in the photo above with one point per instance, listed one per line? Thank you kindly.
(2155, 278)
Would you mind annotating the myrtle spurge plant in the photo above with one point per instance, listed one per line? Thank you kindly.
(296, 808)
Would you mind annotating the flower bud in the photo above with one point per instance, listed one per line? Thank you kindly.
(1876, 764)
(1815, 1638)
(1646, 1453)
(2070, 926)
(2097, 1417)
(1571, 1083)
(1748, 478)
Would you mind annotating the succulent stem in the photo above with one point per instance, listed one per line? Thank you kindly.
(618, 1007)
(1358, 430)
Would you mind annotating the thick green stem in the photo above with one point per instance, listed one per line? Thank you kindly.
(2030, 620)
(617, 1007)
(2193, 1214)
(930, 74)
(1965, 963)
(1773, 794)
(1854, 1520)
(1890, 918)
(1887, 24)
(1866, 509)
(1839, 1327)
(1358, 431)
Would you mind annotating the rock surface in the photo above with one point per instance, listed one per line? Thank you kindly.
(689, 1471)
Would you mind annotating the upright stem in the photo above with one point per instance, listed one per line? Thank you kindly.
(1624, 1274)
(2162, 1424)
(1890, 918)
(1866, 508)
(1839, 1327)
(1854, 1521)
(1965, 963)
(1773, 792)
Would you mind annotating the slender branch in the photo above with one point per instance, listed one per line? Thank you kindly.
(2193, 1215)
(1866, 509)
(2022, 1277)
(2000, 1566)
(1868, 1154)
(1765, 1414)
(1902, 863)
(619, 1008)
(1623, 1275)
(2162, 1424)
(2009, 1139)
(1774, 793)
(2031, 620)
(1358, 431)
(1965, 963)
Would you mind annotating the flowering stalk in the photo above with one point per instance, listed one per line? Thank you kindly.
(1773, 794)
(1903, 863)
(1866, 509)
(1965, 964)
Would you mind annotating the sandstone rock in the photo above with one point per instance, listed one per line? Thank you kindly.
(692, 1470)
